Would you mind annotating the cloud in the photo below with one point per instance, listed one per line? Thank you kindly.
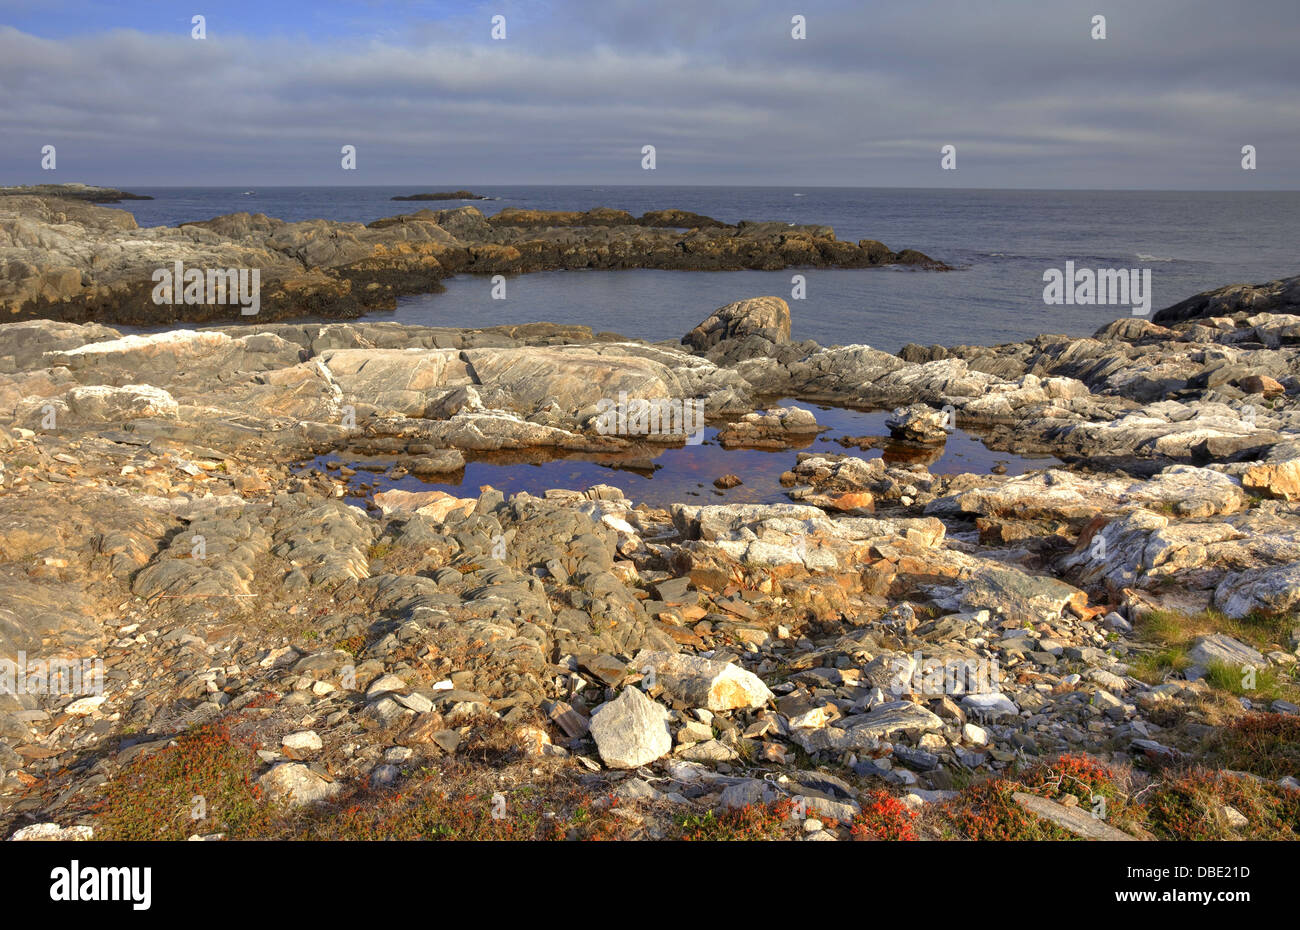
(726, 96)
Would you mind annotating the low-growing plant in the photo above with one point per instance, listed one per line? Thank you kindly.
(200, 784)
(1266, 744)
(987, 811)
(752, 822)
(1195, 806)
(1155, 667)
(884, 817)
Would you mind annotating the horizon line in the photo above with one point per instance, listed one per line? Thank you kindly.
(1103, 190)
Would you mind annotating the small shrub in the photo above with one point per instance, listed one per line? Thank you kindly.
(884, 817)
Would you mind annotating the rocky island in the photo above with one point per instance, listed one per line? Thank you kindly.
(443, 195)
(63, 258)
(891, 654)
(84, 192)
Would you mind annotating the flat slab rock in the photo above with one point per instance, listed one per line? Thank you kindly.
(990, 706)
(1076, 821)
(1219, 648)
(892, 717)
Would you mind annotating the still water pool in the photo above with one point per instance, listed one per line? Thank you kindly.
(685, 473)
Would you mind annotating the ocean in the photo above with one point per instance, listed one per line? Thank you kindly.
(999, 241)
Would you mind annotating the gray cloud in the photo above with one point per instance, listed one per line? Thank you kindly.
(1167, 100)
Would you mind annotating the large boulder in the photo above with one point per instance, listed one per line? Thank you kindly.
(892, 717)
(919, 423)
(178, 356)
(22, 344)
(768, 317)
(98, 404)
(1278, 474)
(400, 381)
(713, 685)
(1017, 595)
(1269, 589)
(631, 730)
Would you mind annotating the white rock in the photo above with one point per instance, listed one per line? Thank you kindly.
(990, 705)
(705, 682)
(1236, 819)
(1113, 621)
(1107, 702)
(416, 702)
(1107, 680)
(84, 707)
(52, 831)
(384, 684)
(302, 741)
(295, 784)
(922, 796)
(631, 730)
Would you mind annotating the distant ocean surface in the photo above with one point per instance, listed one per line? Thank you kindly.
(1001, 242)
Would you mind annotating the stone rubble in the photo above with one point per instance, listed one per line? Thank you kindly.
(888, 626)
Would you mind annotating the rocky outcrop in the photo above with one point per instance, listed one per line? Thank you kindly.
(64, 258)
(891, 628)
(776, 428)
(86, 192)
(919, 423)
(1280, 296)
(765, 317)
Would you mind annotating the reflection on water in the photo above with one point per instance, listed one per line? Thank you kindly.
(685, 473)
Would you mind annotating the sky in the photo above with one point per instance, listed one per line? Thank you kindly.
(721, 89)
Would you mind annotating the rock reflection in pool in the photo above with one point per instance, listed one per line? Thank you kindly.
(686, 473)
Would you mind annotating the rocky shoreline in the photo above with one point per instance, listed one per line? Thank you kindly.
(892, 654)
(64, 258)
